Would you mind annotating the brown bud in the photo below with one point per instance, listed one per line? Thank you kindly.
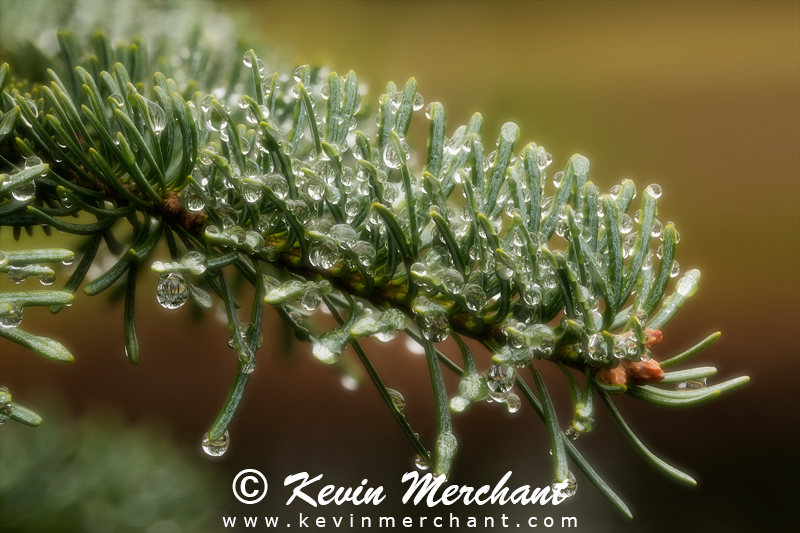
(613, 376)
(653, 337)
(644, 372)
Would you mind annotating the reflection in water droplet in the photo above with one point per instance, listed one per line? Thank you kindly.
(12, 318)
(565, 489)
(172, 290)
(218, 447)
(397, 399)
(421, 463)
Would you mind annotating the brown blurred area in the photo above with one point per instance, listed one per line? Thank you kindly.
(702, 98)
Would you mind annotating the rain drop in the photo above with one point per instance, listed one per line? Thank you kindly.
(172, 290)
(218, 447)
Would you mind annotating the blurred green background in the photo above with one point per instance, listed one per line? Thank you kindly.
(700, 97)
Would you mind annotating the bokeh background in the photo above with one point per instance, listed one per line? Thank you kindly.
(700, 97)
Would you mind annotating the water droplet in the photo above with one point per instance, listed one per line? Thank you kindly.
(418, 102)
(47, 279)
(246, 59)
(533, 295)
(615, 190)
(278, 185)
(390, 156)
(12, 318)
(654, 190)
(172, 290)
(434, 328)
(192, 199)
(648, 261)
(311, 299)
(500, 378)
(625, 223)
(558, 178)
(629, 244)
(513, 403)
(397, 399)
(504, 273)
(693, 384)
(216, 448)
(676, 269)
(421, 463)
(452, 280)
(567, 488)
(16, 275)
(24, 192)
(158, 119)
(252, 192)
(323, 255)
(298, 73)
(658, 228)
(476, 298)
(344, 234)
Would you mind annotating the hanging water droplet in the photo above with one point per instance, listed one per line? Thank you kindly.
(298, 73)
(397, 399)
(434, 328)
(365, 251)
(12, 318)
(216, 448)
(533, 295)
(452, 280)
(629, 244)
(692, 384)
(172, 290)
(251, 192)
(16, 275)
(418, 102)
(192, 199)
(323, 255)
(24, 192)
(344, 234)
(558, 178)
(245, 331)
(676, 269)
(421, 463)
(278, 185)
(47, 279)
(311, 299)
(252, 117)
(158, 119)
(648, 261)
(475, 297)
(390, 156)
(658, 228)
(615, 190)
(565, 489)
(513, 403)
(505, 273)
(246, 59)
(625, 223)
(654, 190)
(500, 378)
(324, 354)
